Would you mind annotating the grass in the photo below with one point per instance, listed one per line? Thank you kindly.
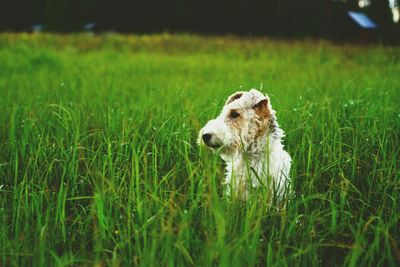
(99, 163)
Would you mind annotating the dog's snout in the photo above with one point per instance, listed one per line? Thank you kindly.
(206, 138)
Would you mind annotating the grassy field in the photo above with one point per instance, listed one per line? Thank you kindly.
(99, 163)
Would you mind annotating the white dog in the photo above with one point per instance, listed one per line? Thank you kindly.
(249, 139)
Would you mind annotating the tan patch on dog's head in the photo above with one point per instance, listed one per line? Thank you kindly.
(262, 110)
(264, 116)
(235, 118)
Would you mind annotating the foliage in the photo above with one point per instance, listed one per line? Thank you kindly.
(99, 163)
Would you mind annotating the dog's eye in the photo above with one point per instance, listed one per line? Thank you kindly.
(234, 114)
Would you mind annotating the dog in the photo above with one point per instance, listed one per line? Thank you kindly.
(249, 140)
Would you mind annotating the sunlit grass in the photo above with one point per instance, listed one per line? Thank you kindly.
(99, 162)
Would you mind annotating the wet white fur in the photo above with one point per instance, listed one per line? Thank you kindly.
(245, 153)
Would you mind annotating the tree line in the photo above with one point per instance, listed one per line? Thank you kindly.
(282, 18)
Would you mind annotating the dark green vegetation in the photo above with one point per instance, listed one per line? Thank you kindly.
(99, 162)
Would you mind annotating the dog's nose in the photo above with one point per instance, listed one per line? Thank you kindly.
(206, 138)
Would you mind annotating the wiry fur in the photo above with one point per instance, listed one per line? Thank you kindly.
(250, 142)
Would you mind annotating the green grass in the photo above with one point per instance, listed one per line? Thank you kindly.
(99, 163)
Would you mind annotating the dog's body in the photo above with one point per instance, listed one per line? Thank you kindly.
(249, 139)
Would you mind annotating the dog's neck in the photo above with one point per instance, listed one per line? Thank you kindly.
(254, 151)
(256, 157)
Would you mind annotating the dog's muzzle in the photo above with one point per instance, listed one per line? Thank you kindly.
(209, 140)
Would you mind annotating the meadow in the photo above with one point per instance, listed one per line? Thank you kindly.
(99, 164)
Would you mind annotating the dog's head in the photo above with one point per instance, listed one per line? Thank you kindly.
(245, 117)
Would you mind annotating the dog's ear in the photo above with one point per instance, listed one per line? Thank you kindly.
(233, 97)
(262, 108)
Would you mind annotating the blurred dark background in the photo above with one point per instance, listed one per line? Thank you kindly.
(275, 18)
